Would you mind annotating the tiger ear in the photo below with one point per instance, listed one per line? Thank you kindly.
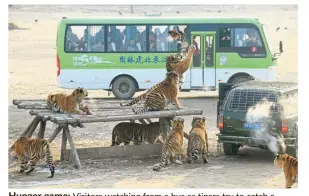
(204, 119)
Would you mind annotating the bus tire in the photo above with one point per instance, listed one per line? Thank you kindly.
(240, 78)
(124, 87)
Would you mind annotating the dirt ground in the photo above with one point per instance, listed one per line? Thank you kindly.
(32, 74)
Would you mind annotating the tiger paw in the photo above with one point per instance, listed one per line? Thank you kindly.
(178, 162)
(192, 47)
(156, 167)
(21, 170)
(205, 161)
(29, 171)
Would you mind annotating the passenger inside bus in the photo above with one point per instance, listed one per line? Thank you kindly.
(87, 41)
(99, 40)
(72, 41)
(253, 38)
(132, 38)
(115, 39)
(196, 55)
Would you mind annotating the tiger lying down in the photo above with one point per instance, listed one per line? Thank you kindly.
(72, 103)
(125, 132)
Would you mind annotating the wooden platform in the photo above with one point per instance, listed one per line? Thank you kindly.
(106, 110)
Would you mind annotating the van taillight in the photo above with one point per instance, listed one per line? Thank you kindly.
(284, 126)
(58, 66)
(220, 125)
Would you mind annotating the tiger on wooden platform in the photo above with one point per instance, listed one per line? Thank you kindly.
(289, 165)
(197, 142)
(35, 149)
(162, 95)
(137, 133)
(172, 148)
(72, 103)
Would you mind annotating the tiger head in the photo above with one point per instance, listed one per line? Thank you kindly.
(172, 77)
(198, 121)
(280, 159)
(50, 100)
(80, 92)
(172, 61)
(178, 123)
(175, 35)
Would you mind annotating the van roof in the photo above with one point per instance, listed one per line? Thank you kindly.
(276, 86)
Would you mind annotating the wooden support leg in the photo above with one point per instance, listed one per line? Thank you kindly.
(73, 150)
(42, 129)
(24, 133)
(63, 144)
(34, 126)
(55, 133)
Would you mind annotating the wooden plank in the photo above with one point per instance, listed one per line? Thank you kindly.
(42, 129)
(63, 144)
(148, 120)
(157, 114)
(72, 146)
(143, 121)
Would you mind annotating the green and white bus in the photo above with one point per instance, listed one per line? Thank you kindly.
(126, 55)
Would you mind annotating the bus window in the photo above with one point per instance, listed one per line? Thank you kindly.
(176, 45)
(73, 38)
(246, 41)
(126, 38)
(158, 41)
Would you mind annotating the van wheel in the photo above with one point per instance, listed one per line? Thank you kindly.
(124, 87)
(240, 79)
(230, 149)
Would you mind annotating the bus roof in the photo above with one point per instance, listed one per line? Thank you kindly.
(157, 20)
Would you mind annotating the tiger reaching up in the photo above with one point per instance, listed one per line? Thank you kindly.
(162, 95)
(35, 149)
(289, 165)
(197, 142)
(178, 63)
(72, 103)
(136, 132)
(172, 147)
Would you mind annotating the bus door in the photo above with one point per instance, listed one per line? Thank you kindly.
(203, 69)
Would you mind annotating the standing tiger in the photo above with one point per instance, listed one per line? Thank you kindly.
(72, 103)
(162, 95)
(197, 142)
(289, 165)
(180, 64)
(172, 148)
(136, 132)
(35, 149)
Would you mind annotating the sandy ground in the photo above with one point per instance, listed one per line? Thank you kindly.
(32, 74)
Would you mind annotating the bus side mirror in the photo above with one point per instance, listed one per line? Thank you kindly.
(281, 47)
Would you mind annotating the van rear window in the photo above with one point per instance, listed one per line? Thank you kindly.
(243, 99)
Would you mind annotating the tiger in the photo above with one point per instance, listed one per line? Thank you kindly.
(180, 62)
(162, 95)
(289, 165)
(72, 103)
(175, 35)
(198, 141)
(125, 132)
(172, 148)
(35, 149)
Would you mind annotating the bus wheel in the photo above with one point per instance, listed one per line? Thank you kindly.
(124, 87)
(239, 79)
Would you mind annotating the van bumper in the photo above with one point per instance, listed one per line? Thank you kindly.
(251, 141)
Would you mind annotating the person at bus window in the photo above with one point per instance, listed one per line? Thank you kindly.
(99, 40)
(87, 41)
(196, 54)
(158, 39)
(132, 38)
(115, 38)
(252, 39)
(164, 40)
(72, 41)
